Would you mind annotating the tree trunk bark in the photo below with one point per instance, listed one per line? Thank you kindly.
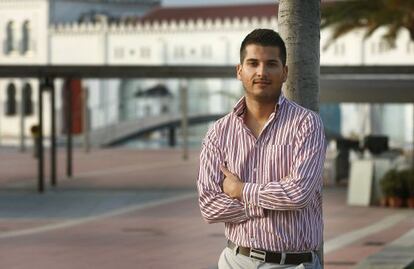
(299, 26)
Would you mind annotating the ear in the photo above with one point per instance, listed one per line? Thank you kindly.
(238, 71)
(285, 73)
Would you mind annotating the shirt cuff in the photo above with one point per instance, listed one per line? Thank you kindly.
(251, 194)
(253, 211)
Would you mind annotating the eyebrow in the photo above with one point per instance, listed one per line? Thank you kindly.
(268, 61)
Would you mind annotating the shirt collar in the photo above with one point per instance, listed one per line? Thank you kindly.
(240, 106)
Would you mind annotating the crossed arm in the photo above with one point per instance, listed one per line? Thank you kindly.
(228, 199)
(215, 204)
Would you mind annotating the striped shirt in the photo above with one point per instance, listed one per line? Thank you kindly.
(281, 208)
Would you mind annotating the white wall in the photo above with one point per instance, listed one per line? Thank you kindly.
(34, 11)
(211, 42)
(72, 45)
(10, 125)
(378, 52)
(346, 50)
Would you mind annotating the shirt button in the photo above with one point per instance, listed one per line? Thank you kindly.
(255, 170)
(252, 239)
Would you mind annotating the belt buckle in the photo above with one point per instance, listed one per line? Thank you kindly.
(257, 254)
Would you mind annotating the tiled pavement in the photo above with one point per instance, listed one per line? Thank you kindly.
(138, 209)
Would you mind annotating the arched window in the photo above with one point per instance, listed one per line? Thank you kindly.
(10, 44)
(26, 36)
(27, 99)
(11, 100)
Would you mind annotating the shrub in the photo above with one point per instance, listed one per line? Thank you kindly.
(408, 176)
(393, 184)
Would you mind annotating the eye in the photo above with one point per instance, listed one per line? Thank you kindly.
(252, 63)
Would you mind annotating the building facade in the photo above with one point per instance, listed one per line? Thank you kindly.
(37, 32)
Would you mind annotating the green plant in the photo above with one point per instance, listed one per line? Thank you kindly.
(345, 16)
(393, 184)
(408, 177)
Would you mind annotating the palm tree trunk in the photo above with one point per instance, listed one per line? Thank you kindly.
(299, 26)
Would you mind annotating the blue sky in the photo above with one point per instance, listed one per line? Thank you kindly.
(211, 2)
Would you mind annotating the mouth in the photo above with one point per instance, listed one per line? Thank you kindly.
(261, 82)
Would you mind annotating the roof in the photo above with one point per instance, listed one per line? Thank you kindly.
(211, 12)
(159, 90)
(116, 1)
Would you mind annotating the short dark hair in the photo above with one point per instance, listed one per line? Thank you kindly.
(265, 38)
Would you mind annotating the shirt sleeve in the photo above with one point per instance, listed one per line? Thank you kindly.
(295, 191)
(215, 205)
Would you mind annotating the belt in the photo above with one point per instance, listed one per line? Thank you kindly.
(272, 257)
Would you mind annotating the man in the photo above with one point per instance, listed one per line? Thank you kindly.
(261, 167)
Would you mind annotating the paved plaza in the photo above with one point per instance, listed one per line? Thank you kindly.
(129, 208)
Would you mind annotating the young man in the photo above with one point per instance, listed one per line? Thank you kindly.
(261, 167)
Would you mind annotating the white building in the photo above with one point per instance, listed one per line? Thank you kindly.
(165, 36)
(26, 38)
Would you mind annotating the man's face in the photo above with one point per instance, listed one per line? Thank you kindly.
(262, 73)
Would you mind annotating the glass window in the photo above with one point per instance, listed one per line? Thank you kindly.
(410, 47)
(26, 37)
(206, 51)
(27, 99)
(119, 52)
(11, 100)
(145, 52)
(10, 44)
(179, 52)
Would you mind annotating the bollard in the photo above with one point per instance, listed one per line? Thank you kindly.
(34, 130)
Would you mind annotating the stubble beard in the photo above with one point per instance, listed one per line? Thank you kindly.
(265, 97)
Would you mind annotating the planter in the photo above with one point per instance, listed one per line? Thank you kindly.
(394, 186)
(384, 201)
(410, 202)
(395, 202)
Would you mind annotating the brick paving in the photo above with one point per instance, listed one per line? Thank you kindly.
(163, 235)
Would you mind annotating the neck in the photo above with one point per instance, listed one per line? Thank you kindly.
(258, 110)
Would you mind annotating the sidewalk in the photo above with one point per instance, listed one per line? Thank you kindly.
(138, 209)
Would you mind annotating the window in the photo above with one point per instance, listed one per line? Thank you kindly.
(11, 100)
(179, 52)
(373, 48)
(339, 48)
(206, 51)
(165, 109)
(27, 99)
(26, 37)
(145, 52)
(410, 47)
(336, 48)
(10, 44)
(119, 53)
(383, 46)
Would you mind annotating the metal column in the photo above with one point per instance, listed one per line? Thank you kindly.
(85, 120)
(39, 144)
(68, 114)
(184, 119)
(22, 120)
(171, 136)
(51, 87)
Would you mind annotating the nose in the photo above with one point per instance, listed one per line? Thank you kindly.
(261, 70)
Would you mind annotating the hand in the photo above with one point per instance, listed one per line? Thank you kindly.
(232, 185)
